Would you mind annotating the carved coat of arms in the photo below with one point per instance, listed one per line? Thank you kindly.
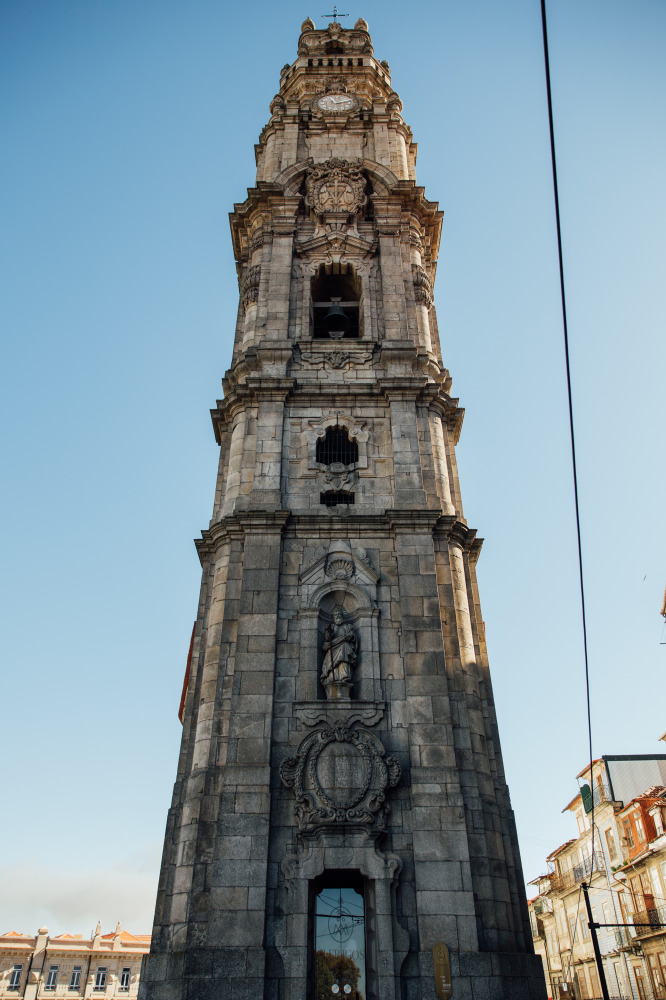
(340, 775)
(335, 187)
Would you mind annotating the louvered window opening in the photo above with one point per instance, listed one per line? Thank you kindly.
(336, 447)
(334, 497)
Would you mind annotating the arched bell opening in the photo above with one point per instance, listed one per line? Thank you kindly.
(336, 303)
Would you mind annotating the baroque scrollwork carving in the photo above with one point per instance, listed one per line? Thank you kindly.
(340, 775)
(249, 289)
(422, 286)
(335, 187)
(338, 360)
(337, 477)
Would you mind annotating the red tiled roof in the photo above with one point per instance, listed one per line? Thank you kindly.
(587, 767)
(560, 848)
(126, 936)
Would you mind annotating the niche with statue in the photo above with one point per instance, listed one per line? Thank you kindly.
(339, 643)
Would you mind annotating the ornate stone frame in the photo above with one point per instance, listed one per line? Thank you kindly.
(356, 430)
(307, 772)
(387, 941)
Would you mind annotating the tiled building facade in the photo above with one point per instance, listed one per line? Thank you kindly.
(626, 873)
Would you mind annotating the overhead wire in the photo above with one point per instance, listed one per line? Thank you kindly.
(569, 395)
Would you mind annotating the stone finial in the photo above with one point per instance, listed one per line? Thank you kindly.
(361, 25)
(308, 25)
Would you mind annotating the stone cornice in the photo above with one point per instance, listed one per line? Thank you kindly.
(403, 387)
(238, 525)
(451, 527)
(351, 525)
(420, 521)
(252, 389)
(265, 360)
(266, 387)
(437, 399)
(266, 522)
(227, 408)
(266, 207)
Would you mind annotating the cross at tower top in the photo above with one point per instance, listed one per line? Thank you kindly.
(335, 14)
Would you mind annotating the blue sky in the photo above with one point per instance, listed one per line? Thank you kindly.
(128, 132)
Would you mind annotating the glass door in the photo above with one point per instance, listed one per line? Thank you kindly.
(339, 944)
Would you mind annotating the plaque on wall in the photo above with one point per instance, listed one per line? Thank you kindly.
(442, 964)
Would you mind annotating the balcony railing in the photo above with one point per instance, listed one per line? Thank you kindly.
(576, 874)
(564, 881)
(600, 795)
(655, 918)
(543, 906)
(589, 865)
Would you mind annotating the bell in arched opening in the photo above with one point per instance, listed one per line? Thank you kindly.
(335, 303)
(336, 321)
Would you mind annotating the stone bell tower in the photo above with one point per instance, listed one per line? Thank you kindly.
(340, 811)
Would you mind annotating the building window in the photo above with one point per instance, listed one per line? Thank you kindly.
(336, 447)
(617, 975)
(640, 831)
(100, 978)
(572, 929)
(75, 980)
(52, 978)
(661, 958)
(15, 978)
(624, 897)
(584, 929)
(594, 981)
(125, 980)
(629, 833)
(640, 984)
(610, 843)
(338, 968)
(654, 972)
(582, 984)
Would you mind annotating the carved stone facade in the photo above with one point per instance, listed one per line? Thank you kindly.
(340, 740)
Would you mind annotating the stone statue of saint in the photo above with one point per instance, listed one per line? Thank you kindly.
(340, 653)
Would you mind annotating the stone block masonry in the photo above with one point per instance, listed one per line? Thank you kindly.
(340, 805)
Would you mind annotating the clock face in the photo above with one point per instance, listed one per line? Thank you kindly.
(335, 102)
